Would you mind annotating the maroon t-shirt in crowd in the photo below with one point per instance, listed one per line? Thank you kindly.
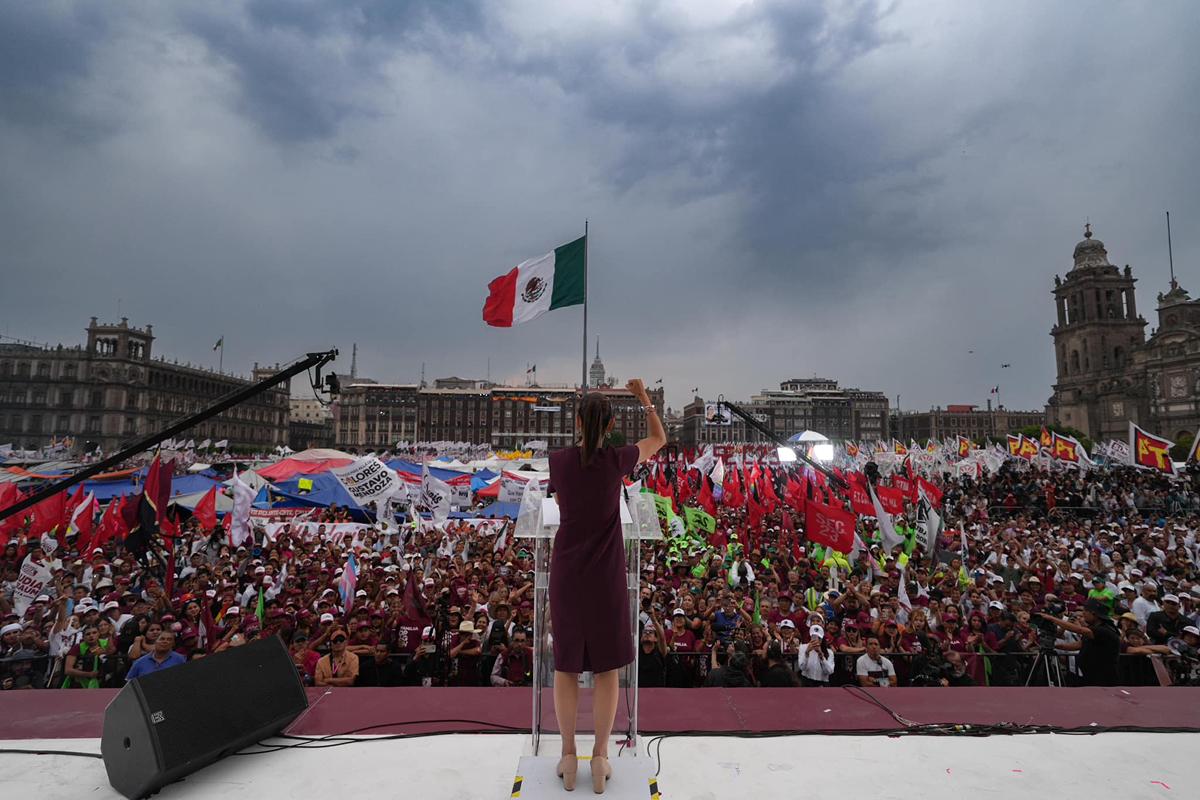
(408, 634)
(684, 642)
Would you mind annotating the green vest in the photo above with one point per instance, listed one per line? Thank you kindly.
(89, 683)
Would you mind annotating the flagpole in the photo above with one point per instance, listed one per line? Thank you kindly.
(583, 378)
(221, 356)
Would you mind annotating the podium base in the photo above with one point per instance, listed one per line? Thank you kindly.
(632, 779)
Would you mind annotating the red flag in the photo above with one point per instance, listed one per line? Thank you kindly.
(891, 499)
(662, 486)
(112, 524)
(931, 491)
(48, 514)
(707, 501)
(796, 494)
(860, 500)
(769, 487)
(907, 487)
(206, 510)
(10, 495)
(788, 525)
(685, 488)
(1046, 438)
(831, 527)
(1064, 448)
(1149, 451)
(83, 519)
(733, 494)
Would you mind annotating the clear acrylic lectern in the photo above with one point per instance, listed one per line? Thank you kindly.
(538, 521)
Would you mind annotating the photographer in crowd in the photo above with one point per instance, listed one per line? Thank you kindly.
(1100, 643)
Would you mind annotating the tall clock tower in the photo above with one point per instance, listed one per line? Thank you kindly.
(1096, 337)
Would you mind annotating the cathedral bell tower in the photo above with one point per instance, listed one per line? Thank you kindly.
(1097, 332)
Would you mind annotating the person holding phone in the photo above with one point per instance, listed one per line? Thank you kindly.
(816, 659)
(589, 604)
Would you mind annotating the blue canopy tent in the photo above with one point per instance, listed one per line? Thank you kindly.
(325, 491)
(105, 491)
(499, 509)
(479, 481)
(400, 465)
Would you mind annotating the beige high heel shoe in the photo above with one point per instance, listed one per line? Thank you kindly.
(600, 775)
(568, 766)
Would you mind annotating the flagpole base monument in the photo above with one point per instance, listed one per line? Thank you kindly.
(536, 774)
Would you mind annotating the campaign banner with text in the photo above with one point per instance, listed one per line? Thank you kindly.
(367, 480)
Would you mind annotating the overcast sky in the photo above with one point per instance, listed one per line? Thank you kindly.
(866, 191)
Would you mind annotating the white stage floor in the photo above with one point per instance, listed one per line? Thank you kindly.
(466, 767)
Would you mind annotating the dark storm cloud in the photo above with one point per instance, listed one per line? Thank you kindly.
(44, 50)
(867, 190)
(300, 66)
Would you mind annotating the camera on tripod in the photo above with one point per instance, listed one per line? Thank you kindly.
(1047, 631)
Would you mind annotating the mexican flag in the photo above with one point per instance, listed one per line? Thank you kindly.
(541, 284)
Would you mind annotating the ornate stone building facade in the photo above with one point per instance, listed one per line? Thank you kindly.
(819, 404)
(1108, 373)
(111, 391)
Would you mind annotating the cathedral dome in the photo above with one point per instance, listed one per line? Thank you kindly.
(1090, 252)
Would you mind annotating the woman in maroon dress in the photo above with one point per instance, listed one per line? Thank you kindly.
(589, 604)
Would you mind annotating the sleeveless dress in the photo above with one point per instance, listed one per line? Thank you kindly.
(589, 602)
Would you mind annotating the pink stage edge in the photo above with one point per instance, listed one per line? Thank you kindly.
(71, 714)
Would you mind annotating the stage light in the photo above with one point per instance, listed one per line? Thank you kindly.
(823, 452)
(787, 455)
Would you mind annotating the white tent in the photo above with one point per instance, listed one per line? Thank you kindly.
(251, 478)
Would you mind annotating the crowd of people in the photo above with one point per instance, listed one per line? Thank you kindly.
(1067, 577)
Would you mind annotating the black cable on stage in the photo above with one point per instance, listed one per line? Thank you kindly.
(7, 750)
(339, 739)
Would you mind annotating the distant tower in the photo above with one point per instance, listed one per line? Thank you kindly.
(1098, 329)
(354, 360)
(596, 372)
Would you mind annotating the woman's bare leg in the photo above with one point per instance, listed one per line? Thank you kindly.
(566, 706)
(604, 709)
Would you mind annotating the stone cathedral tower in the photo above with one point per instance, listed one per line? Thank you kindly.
(1099, 389)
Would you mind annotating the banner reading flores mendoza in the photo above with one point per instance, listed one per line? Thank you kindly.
(538, 285)
(367, 480)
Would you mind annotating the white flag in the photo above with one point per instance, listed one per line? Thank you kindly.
(207, 443)
(890, 537)
(367, 480)
(705, 461)
(434, 498)
(221, 445)
(84, 510)
(718, 473)
(243, 497)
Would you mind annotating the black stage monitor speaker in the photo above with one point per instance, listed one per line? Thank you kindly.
(168, 724)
